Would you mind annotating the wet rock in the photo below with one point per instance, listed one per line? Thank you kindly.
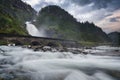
(16, 42)
(64, 49)
(85, 53)
(37, 48)
(76, 51)
(2, 51)
(87, 47)
(6, 76)
(52, 44)
(1, 78)
(117, 50)
(14, 74)
(35, 43)
(5, 61)
(22, 78)
(14, 77)
(46, 48)
(115, 74)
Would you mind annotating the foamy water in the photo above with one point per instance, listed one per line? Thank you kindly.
(57, 65)
(33, 31)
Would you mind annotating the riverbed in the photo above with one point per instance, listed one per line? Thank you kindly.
(17, 63)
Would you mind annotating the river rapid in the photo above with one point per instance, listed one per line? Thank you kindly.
(17, 63)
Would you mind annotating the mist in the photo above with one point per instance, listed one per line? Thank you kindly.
(33, 31)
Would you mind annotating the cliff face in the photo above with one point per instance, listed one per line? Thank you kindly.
(58, 23)
(115, 37)
(13, 14)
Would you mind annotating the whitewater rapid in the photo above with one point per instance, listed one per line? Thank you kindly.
(18, 61)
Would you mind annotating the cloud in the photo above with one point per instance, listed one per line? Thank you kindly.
(101, 12)
(32, 2)
(81, 2)
(110, 26)
(114, 20)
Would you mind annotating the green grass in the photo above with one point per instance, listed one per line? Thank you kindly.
(3, 42)
(10, 25)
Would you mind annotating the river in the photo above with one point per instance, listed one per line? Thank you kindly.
(17, 63)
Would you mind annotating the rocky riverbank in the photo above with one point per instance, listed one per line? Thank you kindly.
(49, 44)
(36, 42)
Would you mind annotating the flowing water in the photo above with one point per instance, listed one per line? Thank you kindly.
(23, 62)
(33, 31)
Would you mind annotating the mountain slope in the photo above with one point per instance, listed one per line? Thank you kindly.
(58, 23)
(13, 14)
(115, 37)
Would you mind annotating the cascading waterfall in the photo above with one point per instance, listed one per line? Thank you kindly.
(33, 31)
(17, 61)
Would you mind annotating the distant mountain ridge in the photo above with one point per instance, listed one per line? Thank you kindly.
(58, 23)
(115, 37)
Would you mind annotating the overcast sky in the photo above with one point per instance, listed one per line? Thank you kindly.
(104, 13)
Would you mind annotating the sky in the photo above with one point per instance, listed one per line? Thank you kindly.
(104, 13)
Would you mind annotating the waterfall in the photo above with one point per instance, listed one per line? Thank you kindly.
(33, 31)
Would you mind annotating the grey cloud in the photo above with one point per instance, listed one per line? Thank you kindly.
(114, 20)
(98, 4)
(41, 4)
(101, 3)
(82, 2)
(117, 17)
(110, 5)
